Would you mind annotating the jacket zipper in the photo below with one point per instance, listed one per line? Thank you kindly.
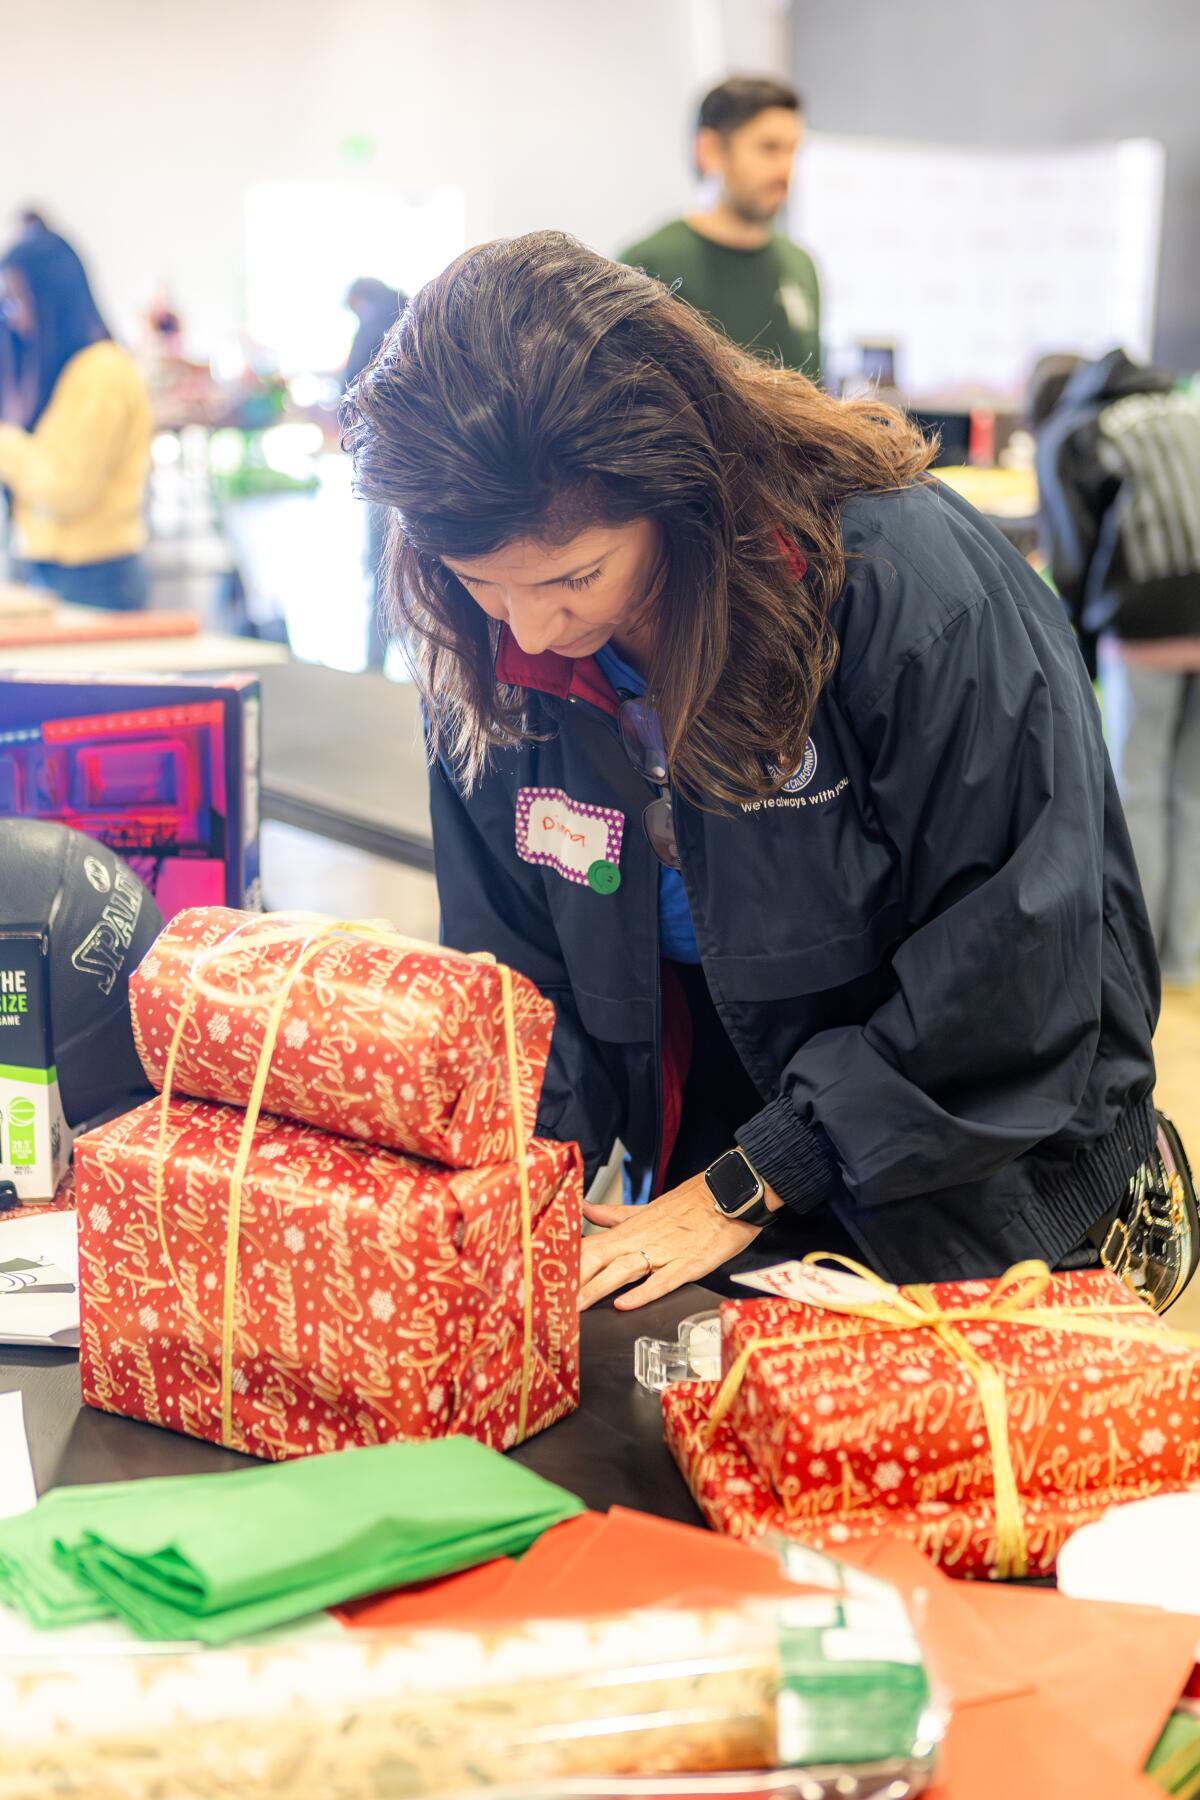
(573, 700)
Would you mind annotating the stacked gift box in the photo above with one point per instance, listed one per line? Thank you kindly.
(1019, 1411)
(334, 1227)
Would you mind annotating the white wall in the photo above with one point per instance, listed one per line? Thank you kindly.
(139, 124)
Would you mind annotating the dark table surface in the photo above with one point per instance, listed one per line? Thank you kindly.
(610, 1452)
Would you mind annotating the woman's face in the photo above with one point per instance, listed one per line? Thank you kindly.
(570, 598)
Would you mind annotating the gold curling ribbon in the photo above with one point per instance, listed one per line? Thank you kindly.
(324, 932)
(1012, 1301)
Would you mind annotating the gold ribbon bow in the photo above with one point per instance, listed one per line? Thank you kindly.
(1012, 1300)
(323, 932)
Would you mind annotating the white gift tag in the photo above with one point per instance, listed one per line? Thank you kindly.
(816, 1285)
(567, 835)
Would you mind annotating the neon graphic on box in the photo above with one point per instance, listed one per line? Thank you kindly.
(149, 783)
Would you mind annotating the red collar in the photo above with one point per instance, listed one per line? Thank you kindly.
(565, 677)
(797, 564)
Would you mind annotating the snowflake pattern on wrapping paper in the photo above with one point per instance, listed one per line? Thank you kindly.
(1152, 1442)
(737, 1497)
(408, 1254)
(905, 1406)
(409, 1038)
(148, 1319)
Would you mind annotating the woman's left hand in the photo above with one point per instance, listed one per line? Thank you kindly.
(678, 1238)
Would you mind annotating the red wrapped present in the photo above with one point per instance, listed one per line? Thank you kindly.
(841, 1412)
(737, 1499)
(394, 1043)
(371, 1296)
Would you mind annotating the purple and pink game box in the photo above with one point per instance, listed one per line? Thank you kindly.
(164, 771)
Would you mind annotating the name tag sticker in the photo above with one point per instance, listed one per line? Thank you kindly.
(566, 835)
(817, 1285)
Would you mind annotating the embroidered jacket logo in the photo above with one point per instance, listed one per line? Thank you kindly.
(791, 792)
(804, 774)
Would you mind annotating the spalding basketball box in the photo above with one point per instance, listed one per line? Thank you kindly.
(74, 920)
(35, 1142)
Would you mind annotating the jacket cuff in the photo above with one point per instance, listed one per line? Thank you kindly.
(796, 1159)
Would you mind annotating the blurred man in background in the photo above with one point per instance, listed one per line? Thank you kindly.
(727, 258)
(376, 306)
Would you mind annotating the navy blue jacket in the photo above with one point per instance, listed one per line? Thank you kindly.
(931, 954)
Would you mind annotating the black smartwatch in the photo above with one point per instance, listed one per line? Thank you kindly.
(736, 1189)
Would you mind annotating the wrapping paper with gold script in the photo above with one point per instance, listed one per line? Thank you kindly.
(377, 1296)
(892, 1419)
(737, 1499)
(393, 1045)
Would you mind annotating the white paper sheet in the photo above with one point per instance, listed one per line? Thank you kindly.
(17, 1492)
(34, 1317)
(1145, 1554)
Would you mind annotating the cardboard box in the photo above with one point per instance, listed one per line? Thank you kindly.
(163, 770)
(35, 1141)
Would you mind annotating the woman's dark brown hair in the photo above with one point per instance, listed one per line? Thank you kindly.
(535, 389)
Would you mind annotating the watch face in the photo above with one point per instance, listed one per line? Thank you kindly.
(732, 1182)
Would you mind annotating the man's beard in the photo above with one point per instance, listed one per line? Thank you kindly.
(752, 212)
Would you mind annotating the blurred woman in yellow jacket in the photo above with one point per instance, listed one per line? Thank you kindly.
(74, 431)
